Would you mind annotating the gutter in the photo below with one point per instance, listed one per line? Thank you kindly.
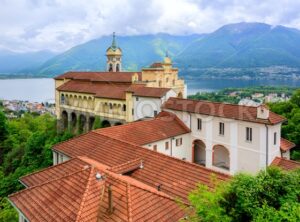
(267, 145)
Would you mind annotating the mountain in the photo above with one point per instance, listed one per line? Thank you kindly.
(138, 51)
(244, 45)
(13, 62)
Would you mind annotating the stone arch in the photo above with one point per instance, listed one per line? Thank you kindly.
(73, 120)
(199, 152)
(221, 157)
(79, 101)
(85, 102)
(64, 118)
(62, 99)
(82, 123)
(105, 123)
(91, 122)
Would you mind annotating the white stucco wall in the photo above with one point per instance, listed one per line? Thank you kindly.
(145, 106)
(245, 156)
(183, 151)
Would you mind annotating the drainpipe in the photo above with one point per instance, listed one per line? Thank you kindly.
(267, 145)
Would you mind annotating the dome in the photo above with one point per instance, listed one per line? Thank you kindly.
(113, 49)
(167, 60)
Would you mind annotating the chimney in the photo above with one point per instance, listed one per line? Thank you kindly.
(262, 112)
(110, 201)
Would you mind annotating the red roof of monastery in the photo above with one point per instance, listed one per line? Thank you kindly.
(286, 145)
(80, 196)
(112, 90)
(176, 177)
(123, 77)
(285, 164)
(230, 111)
(147, 131)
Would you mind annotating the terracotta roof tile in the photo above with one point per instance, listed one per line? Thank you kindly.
(81, 197)
(286, 145)
(176, 177)
(231, 111)
(53, 172)
(102, 90)
(147, 131)
(122, 77)
(285, 164)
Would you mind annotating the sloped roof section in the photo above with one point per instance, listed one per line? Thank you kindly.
(80, 196)
(230, 111)
(98, 89)
(175, 177)
(285, 164)
(121, 77)
(286, 145)
(53, 172)
(164, 126)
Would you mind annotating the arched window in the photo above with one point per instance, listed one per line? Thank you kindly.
(62, 99)
(110, 68)
(110, 106)
(124, 108)
(221, 157)
(117, 68)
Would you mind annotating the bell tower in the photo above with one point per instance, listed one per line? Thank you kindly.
(114, 57)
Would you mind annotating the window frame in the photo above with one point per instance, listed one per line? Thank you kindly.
(167, 145)
(199, 124)
(249, 134)
(221, 128)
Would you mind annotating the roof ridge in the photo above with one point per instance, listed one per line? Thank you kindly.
(208, 101)
(47, 182)
(167, 156)
(129, 206)
(50, 167)
(84, 195)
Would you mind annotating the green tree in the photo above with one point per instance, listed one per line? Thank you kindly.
(97, 123)
(263, 197)
(3, 126)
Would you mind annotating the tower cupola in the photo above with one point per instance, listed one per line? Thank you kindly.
(114, 57)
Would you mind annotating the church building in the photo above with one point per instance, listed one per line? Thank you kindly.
(115, 95)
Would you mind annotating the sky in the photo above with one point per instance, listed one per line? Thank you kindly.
(57, 25)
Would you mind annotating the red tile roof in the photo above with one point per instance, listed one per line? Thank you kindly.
(102, 90)
(122, 77)
(79, 196)
(52, 173)
(286, 145)
(285, 164)
(230, 111)
(176, 177)
(111, 89)
(147, 131)
(153, 92)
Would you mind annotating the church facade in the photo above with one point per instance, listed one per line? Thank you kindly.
(114, 95)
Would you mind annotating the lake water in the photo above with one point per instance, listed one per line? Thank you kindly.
(42, 90)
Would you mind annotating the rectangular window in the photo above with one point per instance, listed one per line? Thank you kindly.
(178, 141)
(166, 145)
(248, 134)
(132, 111)
(137, 98)
(221, 128)
(275, 138)
(155, 112)
(155, 147)
(199, 124)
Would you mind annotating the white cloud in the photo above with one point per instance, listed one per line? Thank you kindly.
(29, 25)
